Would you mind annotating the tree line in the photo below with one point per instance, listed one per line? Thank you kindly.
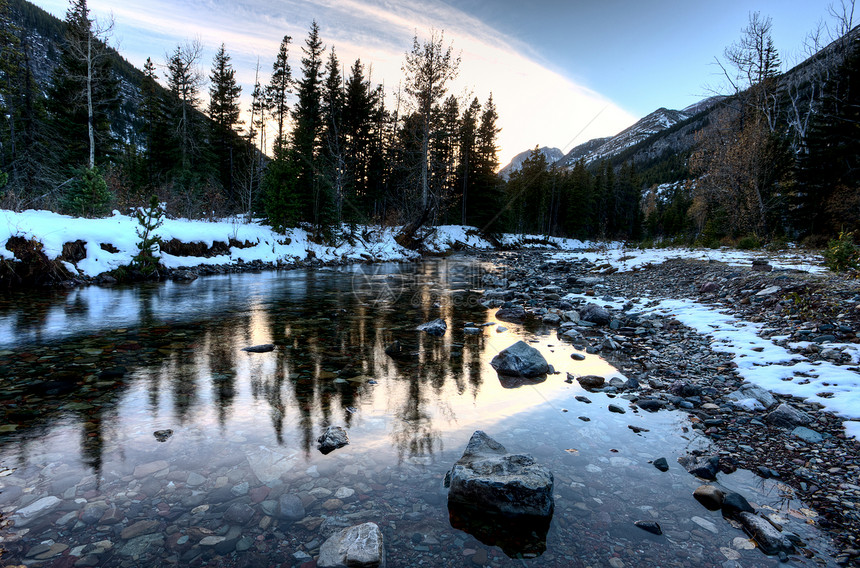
(319, 147)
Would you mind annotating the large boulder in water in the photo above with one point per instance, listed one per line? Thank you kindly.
(487, 477)
(520, 360)
(333, 438)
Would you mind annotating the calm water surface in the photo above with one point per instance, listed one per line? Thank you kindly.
(91, 375)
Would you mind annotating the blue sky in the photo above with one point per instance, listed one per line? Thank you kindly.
(561, 72)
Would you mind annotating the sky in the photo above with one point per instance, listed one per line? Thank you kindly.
(560, 72)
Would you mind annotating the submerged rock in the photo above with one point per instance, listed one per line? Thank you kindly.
(489, 478)
(333, 438)
(358, 546)
(521, 360)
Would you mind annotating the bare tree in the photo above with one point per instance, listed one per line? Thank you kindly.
(184, 79)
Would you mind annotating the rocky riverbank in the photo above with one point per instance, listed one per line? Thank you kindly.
(672, 366)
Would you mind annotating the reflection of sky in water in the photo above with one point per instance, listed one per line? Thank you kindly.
(193, 378)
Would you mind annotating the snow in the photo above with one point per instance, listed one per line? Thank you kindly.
(760, 361)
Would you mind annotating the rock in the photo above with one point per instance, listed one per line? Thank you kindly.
(358, 546)
(147, 469)
(489, 478)
(769, 291)
(139, 528)
(577, 356)
(650, 404)
(709, 287)
(471, 331)
(194, 479)
(513, 314)
(265, 348)
(551, 319)
(709, 496)
(163, 435)
(684, 389)
(734, 504)
(661, 464)
(25, 515)
(769, 539)
(786, 416)
(93, 512)
(649, 526)
(397, 351)
(436, 328)
(616, 409)
(290, 508)
(807, 435)
(704, 467)
(761, 265)
(591, 382)
(595, 314)
(521, 360)
(755, 392)
(238, 513)
(333, 438)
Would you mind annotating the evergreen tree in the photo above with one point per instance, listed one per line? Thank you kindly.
(224, 113)
(156, 131)
(279, 88)
(183, 82)
(467, 167)
(333, 180)
(829, 201)
(429, 67)
(308, 127)
(359, 123)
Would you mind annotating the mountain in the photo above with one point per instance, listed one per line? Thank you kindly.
(552, 155)
(601, 149)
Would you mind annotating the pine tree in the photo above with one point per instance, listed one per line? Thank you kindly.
(308, 127)
(279, 88)
(224, 112)
(156, 131)
(183, 81)
(429, 67)
(467, 177)
(359, 123)
(487, 188)
(333, 180)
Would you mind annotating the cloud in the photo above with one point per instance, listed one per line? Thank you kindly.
(536, 105)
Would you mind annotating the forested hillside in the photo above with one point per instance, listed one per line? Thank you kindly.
(774, 157)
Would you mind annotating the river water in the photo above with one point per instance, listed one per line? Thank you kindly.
(135, 431)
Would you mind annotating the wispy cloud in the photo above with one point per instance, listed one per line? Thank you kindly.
(536, 104)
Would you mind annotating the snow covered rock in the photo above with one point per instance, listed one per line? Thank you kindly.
(520, 360)
(489, 478)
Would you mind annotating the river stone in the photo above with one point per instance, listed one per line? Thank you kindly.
(267, 464)
(755, 392)
(489, 478)
(652, 527)
(25, 515)
(662, 464)
(521, 360)
(807, 435)
(437, 327)
(265, 348)
(735, 503)
(290, 508)
(139, 528)
(769, 539)
(147, 469)
(360, 546)
(786, 416)
(333, 438)
(513, 314)
(139, 545)
(238, 513)
(93, 512)
(595, 314)
(704, 467)
(709, 496)
(591, 382)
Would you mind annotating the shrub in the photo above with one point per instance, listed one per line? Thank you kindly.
(749, 242)
(88, 195)
(842, 254)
